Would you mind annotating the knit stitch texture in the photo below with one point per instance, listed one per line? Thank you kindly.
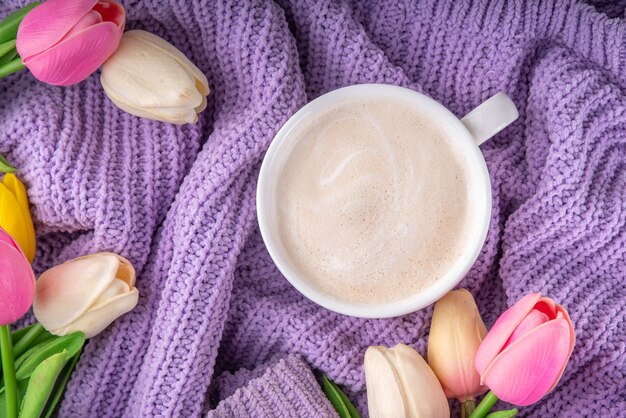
(180, 201)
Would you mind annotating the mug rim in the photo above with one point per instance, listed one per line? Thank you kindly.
(418, 300)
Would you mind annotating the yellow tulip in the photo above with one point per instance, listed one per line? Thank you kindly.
(15, 214)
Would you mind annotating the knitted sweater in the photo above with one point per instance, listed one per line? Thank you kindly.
(180, 201)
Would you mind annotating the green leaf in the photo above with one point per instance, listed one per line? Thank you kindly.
(34, 335)
(9, 25)
(40, 342)
(6, 47)
(19, 333)
(21, 390)
(8, 57)
(22, 358)
(11, 67)
(339, 400)
(509, 413)
(40, 385)
(5, 167)
(72, 343)
(57, 392)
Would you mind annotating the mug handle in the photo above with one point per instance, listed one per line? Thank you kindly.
(490, 117)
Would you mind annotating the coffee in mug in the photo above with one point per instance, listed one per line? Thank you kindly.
(374, 201)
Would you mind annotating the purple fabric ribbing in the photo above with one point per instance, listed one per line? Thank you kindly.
(179, 201)
(286, 388)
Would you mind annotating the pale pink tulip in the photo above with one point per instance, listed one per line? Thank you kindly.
(523, 356)
(85, 294)
(62, 42)
(17, 280)
(456, 332)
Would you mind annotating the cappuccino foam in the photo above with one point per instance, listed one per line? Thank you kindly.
(373, 202)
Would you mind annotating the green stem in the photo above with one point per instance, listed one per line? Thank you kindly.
(467, 407)
(8, 371)
(11, 67)
(485, 405)
(27, 339)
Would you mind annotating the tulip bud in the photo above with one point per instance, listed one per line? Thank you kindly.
(17, 280)
(400, 384)
(150, 78)
(85, 294)
(15, 214)
(456, 332)
(524, 355)
(62, 42)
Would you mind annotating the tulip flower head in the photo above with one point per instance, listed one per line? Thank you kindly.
(524, 355)
(85, 294)
(148, 77)
(17, 280)
(62, 42)
(15, 214)
(456, 332)
(401, 384)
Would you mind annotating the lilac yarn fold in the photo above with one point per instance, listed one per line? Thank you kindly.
(286, 388)
(179, 201)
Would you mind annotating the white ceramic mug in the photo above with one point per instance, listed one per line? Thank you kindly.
(479, 125)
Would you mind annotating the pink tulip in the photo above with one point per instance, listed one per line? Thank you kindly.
(62, 42)
(17, 280)
(523, 356)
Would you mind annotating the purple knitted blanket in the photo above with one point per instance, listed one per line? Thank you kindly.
(217, 327)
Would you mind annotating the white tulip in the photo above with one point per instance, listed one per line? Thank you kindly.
(401, 384)
(85, 294)
(148, 77)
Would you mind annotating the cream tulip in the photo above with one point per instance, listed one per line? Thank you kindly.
(148, 77)
(85, 294)
(456, 332)
(401, 384)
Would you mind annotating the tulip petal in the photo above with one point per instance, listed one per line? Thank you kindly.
(384, 390)
(161, 83)
(532, 320)
(501, 331)
(48, 23)
(116, 288)
(203, 105)
(68, 290)
(98, 318)
(111, 11)
(17, 188)
(423, 394)
(456, 332)
(19, 191)
(562, 313)
(166, 47)
(126, 272)
(17, 286)
(16, 222)
(76, 58)
(547, 306)
(174, 115)
(90, 19)
(525, 371)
